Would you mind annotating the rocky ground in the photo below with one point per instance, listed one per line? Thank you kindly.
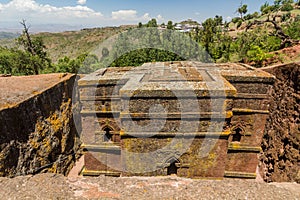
(286, 55)
(53, 186)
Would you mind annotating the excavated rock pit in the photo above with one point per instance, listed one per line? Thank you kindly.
(38, 135)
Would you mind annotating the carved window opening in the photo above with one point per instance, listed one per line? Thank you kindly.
(108, 136)
(237, 136)
(173, 167)
(103, 108)
(107, 106)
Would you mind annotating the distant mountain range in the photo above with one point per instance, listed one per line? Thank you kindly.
(8, 35)
(37, 28)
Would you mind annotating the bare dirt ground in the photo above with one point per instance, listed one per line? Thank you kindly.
(53, 186)
(286, 55)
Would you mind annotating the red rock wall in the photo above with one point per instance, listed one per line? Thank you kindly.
(280, 160)
(39, 135)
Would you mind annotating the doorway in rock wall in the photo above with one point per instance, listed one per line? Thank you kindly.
(237, 136)
(173, 167)
(107, 135)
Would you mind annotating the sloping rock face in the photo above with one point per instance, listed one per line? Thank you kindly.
(281, 157)
(38, 134)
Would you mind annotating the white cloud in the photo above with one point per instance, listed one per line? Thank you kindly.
(159, 18)
(35, 12)
(132, 16)
(228, 19)
(126, 15)
(81, 2)
(146, 17)
(12, 12)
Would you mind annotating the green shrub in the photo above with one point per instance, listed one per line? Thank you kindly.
(287, 7)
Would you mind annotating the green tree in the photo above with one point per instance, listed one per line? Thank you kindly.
(278, 3)
(293, 30)
(16, 62)
(215, 39)
(248, 17)
(219, 20)
(84, 64)
(105, 52)
(152, 23)
(170, 25)
(235, 20)
(140, 25)
(255, 15)
(286, 17)
(287, 1)
(266, 8)
(257, 39)
(7, 61)
(35, 48)
(88, 63)
(283, 5)
(208, 32)
(242, 10)
(287, 7)
(257, 55)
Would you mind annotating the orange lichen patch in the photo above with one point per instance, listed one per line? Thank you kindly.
(16, 89)
(49, 134)
(7, 105)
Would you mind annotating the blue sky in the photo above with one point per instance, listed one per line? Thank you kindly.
(91, 13)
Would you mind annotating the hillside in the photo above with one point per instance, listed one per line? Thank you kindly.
(74, 43)
(8, 35)
(286, 55)
(7, 39)
(282, 18)
(71, 43)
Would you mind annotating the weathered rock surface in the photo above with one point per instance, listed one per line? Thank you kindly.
(281, 156)
(37, 131)
(52, 186)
